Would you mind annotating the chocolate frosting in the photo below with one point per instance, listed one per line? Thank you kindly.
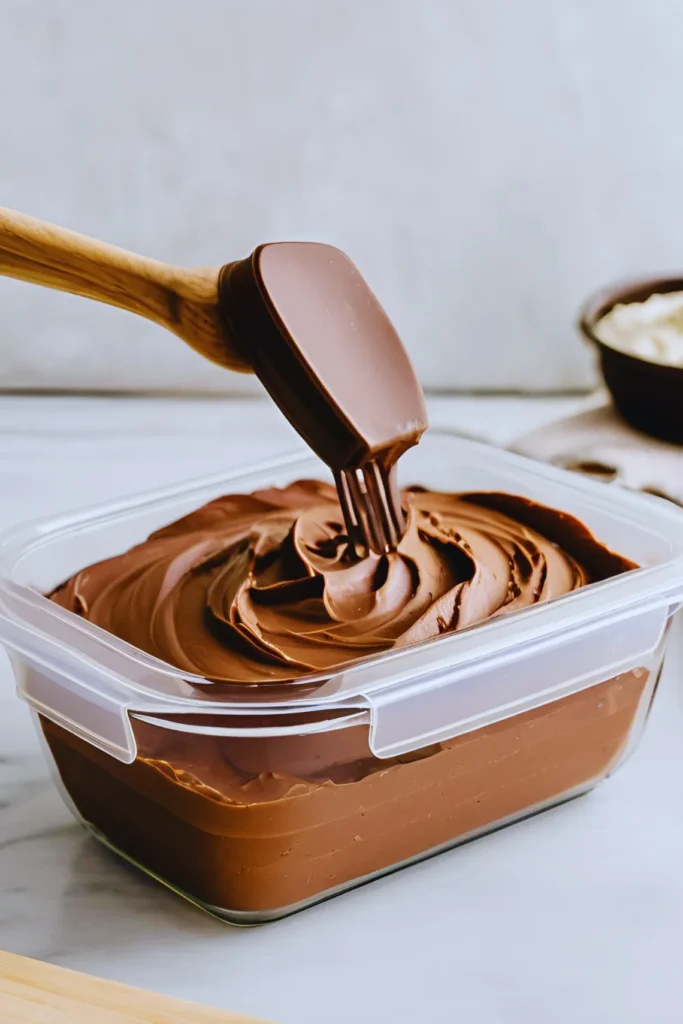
(263, 824)
(262, 587)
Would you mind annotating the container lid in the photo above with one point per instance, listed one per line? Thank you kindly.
(91, 682)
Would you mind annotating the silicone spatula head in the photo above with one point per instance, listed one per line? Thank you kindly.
(329, 356)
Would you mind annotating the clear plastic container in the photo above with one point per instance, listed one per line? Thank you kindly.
(255, 801)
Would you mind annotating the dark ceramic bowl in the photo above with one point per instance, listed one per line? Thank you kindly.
(648, 395)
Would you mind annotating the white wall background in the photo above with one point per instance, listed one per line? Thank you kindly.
(485, 162)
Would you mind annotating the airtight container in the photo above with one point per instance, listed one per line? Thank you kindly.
(253, 801)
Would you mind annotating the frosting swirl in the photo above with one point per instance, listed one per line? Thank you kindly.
(261, 587)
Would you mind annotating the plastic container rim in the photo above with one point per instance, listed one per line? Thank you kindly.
(647, 587)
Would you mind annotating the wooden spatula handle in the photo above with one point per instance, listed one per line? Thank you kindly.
(184, 300)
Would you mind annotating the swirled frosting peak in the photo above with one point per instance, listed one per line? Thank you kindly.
(262, 587)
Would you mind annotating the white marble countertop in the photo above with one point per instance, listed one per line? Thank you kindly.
(575, 915)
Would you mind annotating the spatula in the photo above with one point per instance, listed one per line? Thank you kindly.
(298, 314)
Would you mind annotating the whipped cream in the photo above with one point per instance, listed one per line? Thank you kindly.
(651, 330)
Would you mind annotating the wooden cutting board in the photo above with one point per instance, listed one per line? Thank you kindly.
(32, 992)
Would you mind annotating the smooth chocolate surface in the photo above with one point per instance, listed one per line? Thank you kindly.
(216, 818)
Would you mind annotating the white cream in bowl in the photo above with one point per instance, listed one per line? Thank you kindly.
(651, 330)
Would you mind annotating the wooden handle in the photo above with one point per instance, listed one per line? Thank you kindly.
(32, 992)
(184, 300)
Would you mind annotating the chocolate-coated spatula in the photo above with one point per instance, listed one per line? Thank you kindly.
(299, 314)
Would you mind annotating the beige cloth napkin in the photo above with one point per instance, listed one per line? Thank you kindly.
(599, 443)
